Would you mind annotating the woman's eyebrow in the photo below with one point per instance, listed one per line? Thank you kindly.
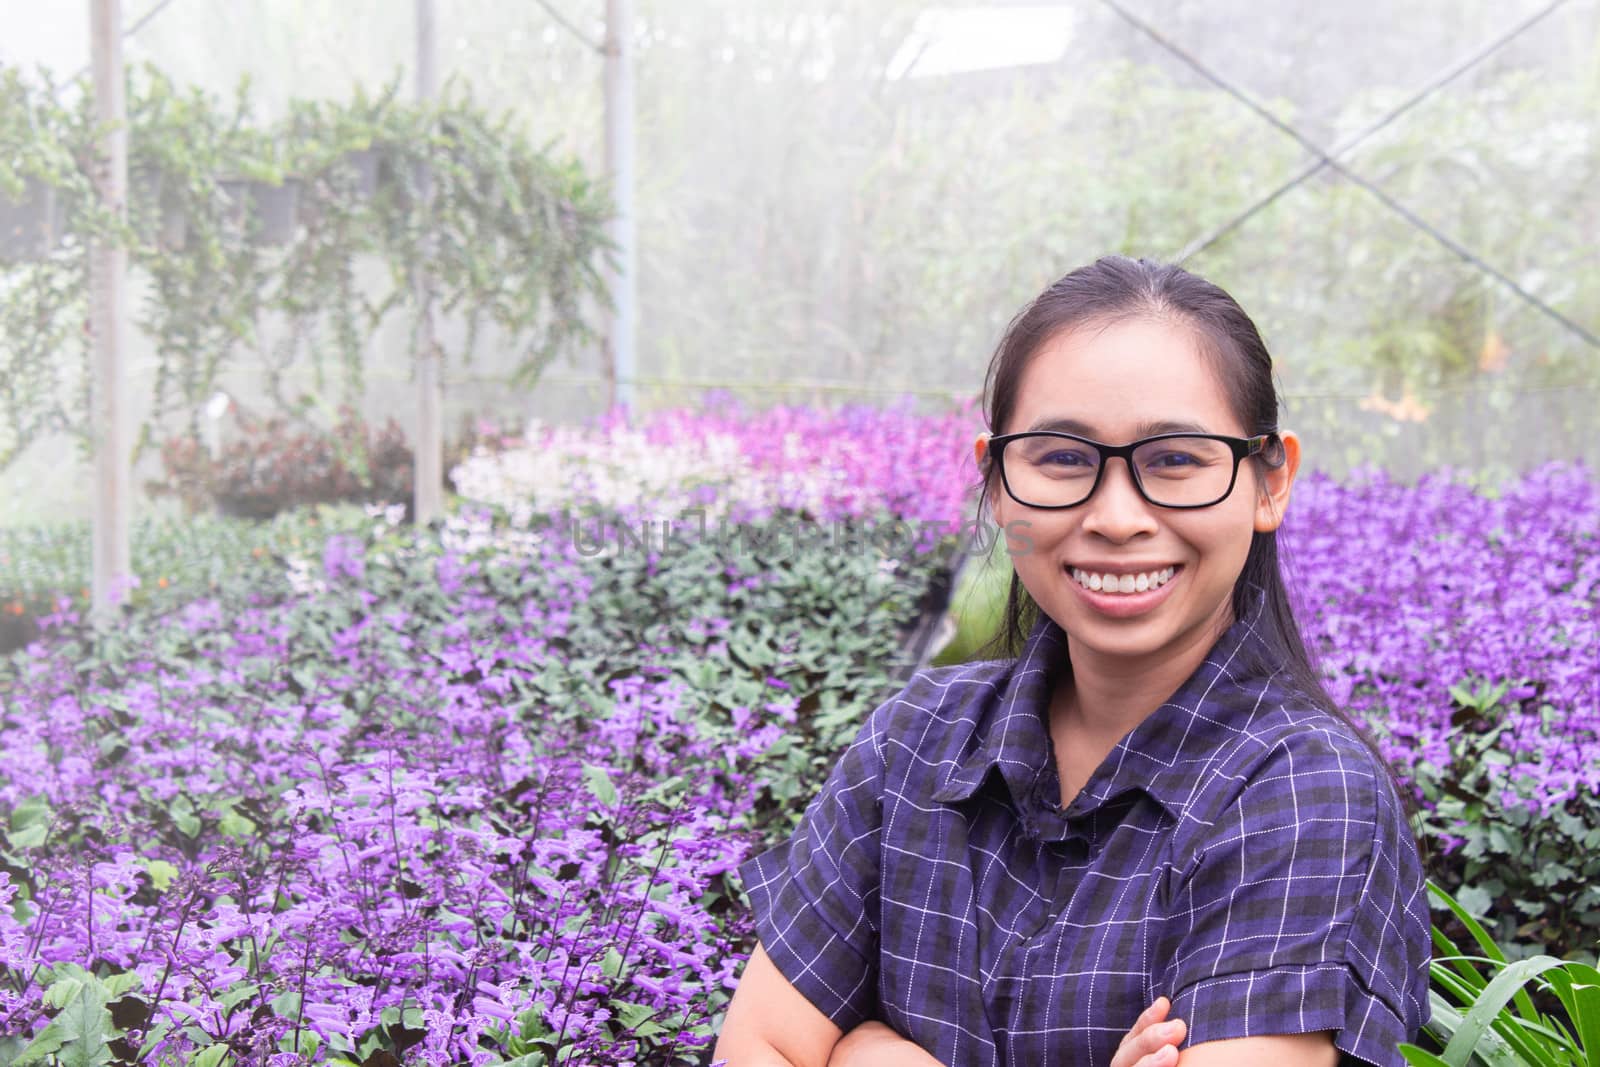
(1144, 429)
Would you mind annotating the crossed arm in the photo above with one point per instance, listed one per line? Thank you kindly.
(770, 1023)
(875, 1044)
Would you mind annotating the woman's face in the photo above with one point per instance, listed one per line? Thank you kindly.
(1121, 382)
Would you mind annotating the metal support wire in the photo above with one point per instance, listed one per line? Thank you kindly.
(565, 24)
(128, 31)
(1328, 161)
(1200, 244)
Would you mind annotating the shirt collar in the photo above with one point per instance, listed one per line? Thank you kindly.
(1155, 757)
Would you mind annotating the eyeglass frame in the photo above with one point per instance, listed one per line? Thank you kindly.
(1242, 448)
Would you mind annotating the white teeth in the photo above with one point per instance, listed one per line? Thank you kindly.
(1123, 583)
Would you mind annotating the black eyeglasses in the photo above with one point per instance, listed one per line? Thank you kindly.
(1051, 469)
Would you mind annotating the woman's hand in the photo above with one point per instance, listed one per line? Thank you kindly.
(1152, 1042)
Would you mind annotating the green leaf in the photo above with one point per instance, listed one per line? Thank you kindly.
(210, 1056)
(30, 823)
(161, 874)
(77, 1035)
(1578, 987)
(599, 784)
(632, 1014)
(238, 994)
(63, 991)
(1420, 1057)
(232, 824)
(118, 984)
(286, 1004)
(1507, 984)
(1475, 900)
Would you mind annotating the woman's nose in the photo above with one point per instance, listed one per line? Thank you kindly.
(1116, 511)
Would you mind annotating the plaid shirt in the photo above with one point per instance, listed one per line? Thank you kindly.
(1235, 852)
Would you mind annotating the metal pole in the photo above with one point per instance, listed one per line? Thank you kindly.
(428, 491)
(621, 279)
(108, 308)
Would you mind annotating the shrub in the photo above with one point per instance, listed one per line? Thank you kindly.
(273, 465)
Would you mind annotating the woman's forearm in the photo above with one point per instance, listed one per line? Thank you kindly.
(876, 1044)
(750, 1054)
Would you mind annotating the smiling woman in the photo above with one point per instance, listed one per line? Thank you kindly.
(1143, 834)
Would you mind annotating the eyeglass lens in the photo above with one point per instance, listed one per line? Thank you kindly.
(1056, 471)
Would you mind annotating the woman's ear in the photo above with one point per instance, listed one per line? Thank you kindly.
(980, 452)
(1276, 482)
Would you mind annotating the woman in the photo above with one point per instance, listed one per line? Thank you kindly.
(1153, 808)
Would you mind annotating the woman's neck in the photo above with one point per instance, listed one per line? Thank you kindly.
(1104, 697)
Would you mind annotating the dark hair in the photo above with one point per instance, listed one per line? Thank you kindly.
(1115, 288)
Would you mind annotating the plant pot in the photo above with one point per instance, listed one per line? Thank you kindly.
(17, 631)
(394, 181)
(32, 226)
(272, 207)
(364, 162)
(247, 506)
(144, 187)
(174, 221)
(161, 217)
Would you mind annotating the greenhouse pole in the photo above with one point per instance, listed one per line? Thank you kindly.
(428, 471)
(620, 281)
(108, 309)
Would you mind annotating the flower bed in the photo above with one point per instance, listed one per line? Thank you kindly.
(733, 462)
(477, 796)
(462, 799)
(1465, 626)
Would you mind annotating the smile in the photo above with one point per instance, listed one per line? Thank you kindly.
(1123, 583)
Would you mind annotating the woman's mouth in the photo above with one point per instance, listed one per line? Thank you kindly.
(1124, 594)
(1122, 584)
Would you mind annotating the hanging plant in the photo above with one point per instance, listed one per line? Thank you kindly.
(230, 222)
(262, 194)
(316, 285)
(49, 211)
(206, 276)
(37, 172)
(510, 234)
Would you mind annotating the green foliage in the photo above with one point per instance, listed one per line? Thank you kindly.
(977, 606)
(825, 630)
(1487, 1019)
(81, 1032)
(1535, 878)
(207, 277)
(511, 236)
(820, 630)
(46, 151)
(174, 559)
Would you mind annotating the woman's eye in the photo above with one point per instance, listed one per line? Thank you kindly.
(1065, 457)
(1171, 460)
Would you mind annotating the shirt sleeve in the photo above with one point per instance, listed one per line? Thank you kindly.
(815, 897)
(1306, 910)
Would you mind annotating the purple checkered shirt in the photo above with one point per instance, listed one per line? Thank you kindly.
(1237, 852)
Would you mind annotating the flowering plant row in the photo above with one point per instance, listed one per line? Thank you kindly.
(1464, 625)
(731, 462)
(470, 799)
(475, 797)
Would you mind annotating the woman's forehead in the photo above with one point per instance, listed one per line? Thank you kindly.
(1129, 379)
